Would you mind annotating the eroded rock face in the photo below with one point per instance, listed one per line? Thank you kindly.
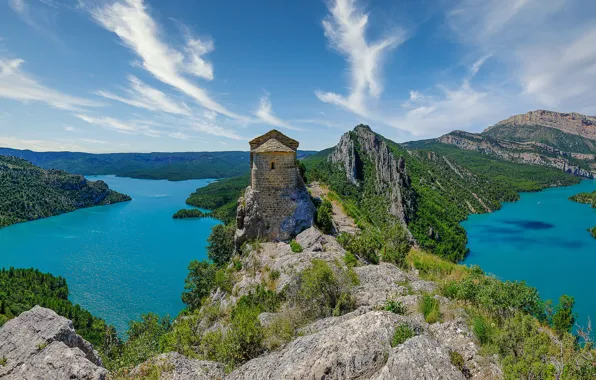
(40, 344)
(392, 177)
(174, 366)
(292, 214)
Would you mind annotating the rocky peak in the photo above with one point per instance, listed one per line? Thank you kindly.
(40, 344)
(362, 144)
(573, 122)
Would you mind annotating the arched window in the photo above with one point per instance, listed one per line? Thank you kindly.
(272, 165)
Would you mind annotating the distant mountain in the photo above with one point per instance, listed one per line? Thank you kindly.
(28, 192)
(568, 132)
(172, 166)
(566, 141)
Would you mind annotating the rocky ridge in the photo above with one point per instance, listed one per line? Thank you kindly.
(391, 175)
(40, 344)
(574, 123)
(528, 153)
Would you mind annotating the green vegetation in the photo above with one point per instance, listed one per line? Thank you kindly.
(430, 308)
(593, 232)
(510, 320)
(396, 307)
(189, 213)
(457, 360)
(221, 244)
(296, 248)
(21, 289)
(588, 198)
(28, 192)
(323, 218)
(402, 333)
(221, 197)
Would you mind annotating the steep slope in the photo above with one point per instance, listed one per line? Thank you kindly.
(533, 153)
(571, 123)
(28, 192)
(175, 166)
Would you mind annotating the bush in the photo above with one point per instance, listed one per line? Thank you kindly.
(396, 307)
(321, 293)
(402, 333)
(144, 338)
(323, 218)
(450, 289)
(457, 360)
(221, 244)
(430, 307)
(296, 248)
(563, 319)
(198, 283)
(274, 275)
(364, 245)
(350, 260)
(482, 329)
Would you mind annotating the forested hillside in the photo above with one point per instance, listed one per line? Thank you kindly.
(28, 192)
(176, 166)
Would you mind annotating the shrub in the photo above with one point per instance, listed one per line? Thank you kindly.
(449, 289)
(402, 333)
(237, 263)
(296, 248)
(3, 361)
(144, 339)
(430, 307)
(365, 245)
(221, 244)
(396, 307)
(321, 293)
(323, 218)
(482, 329)
(274, 275)
(563, 318)
(457, 360)
(279, 332)
(198, 283)
(223, 280)
(350, 260)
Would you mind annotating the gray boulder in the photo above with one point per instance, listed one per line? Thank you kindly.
(40, 344)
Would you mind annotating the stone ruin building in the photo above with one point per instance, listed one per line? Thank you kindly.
(276, 206)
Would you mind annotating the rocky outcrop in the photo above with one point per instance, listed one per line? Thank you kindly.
(362, 145)
(174, 366)
(40, 344)
(295, 213)
(573, 123)
(527, 153)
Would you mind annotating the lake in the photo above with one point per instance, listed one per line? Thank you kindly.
(122, 260)
(542, 239)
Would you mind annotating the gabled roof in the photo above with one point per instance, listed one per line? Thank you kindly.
(275, 135)
(273, 145)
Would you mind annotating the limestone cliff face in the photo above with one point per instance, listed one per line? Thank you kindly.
(40, 344)
(573, 123)
(391, 176)
(527, 153)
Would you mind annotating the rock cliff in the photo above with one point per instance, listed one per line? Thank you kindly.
(362, 146)
(574, 123)
(40, 344)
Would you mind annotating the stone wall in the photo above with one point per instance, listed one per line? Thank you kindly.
(283, 175)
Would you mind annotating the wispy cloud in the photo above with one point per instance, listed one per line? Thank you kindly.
(16, 84)
(131, 22)
(265, 114)
(141, 95)
(345, 28)
(40, 145)
(127, 127)
(213, 129)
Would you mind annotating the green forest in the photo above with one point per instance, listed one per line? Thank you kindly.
(590, 199)
(28, 192)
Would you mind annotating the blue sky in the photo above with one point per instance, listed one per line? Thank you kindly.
(177, 75)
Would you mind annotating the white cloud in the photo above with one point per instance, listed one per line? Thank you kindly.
(40, 145)
(68, 128)
(17, 85)
(131, 22)
(345, 28)
(19, 6)
(265, 113)
(127, 127)
(215, 130)
(144, 96)
(179, 136)
(92, 141)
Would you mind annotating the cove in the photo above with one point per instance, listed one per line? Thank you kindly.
(121, 260)
(541, 239)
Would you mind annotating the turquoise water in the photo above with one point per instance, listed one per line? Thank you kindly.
(542, 239)
(120, 260)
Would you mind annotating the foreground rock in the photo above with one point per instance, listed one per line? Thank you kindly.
(173, 366)
(40, 344)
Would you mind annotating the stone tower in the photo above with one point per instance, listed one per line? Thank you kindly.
(276, 206)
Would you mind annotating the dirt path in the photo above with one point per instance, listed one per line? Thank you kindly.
(341, 221)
